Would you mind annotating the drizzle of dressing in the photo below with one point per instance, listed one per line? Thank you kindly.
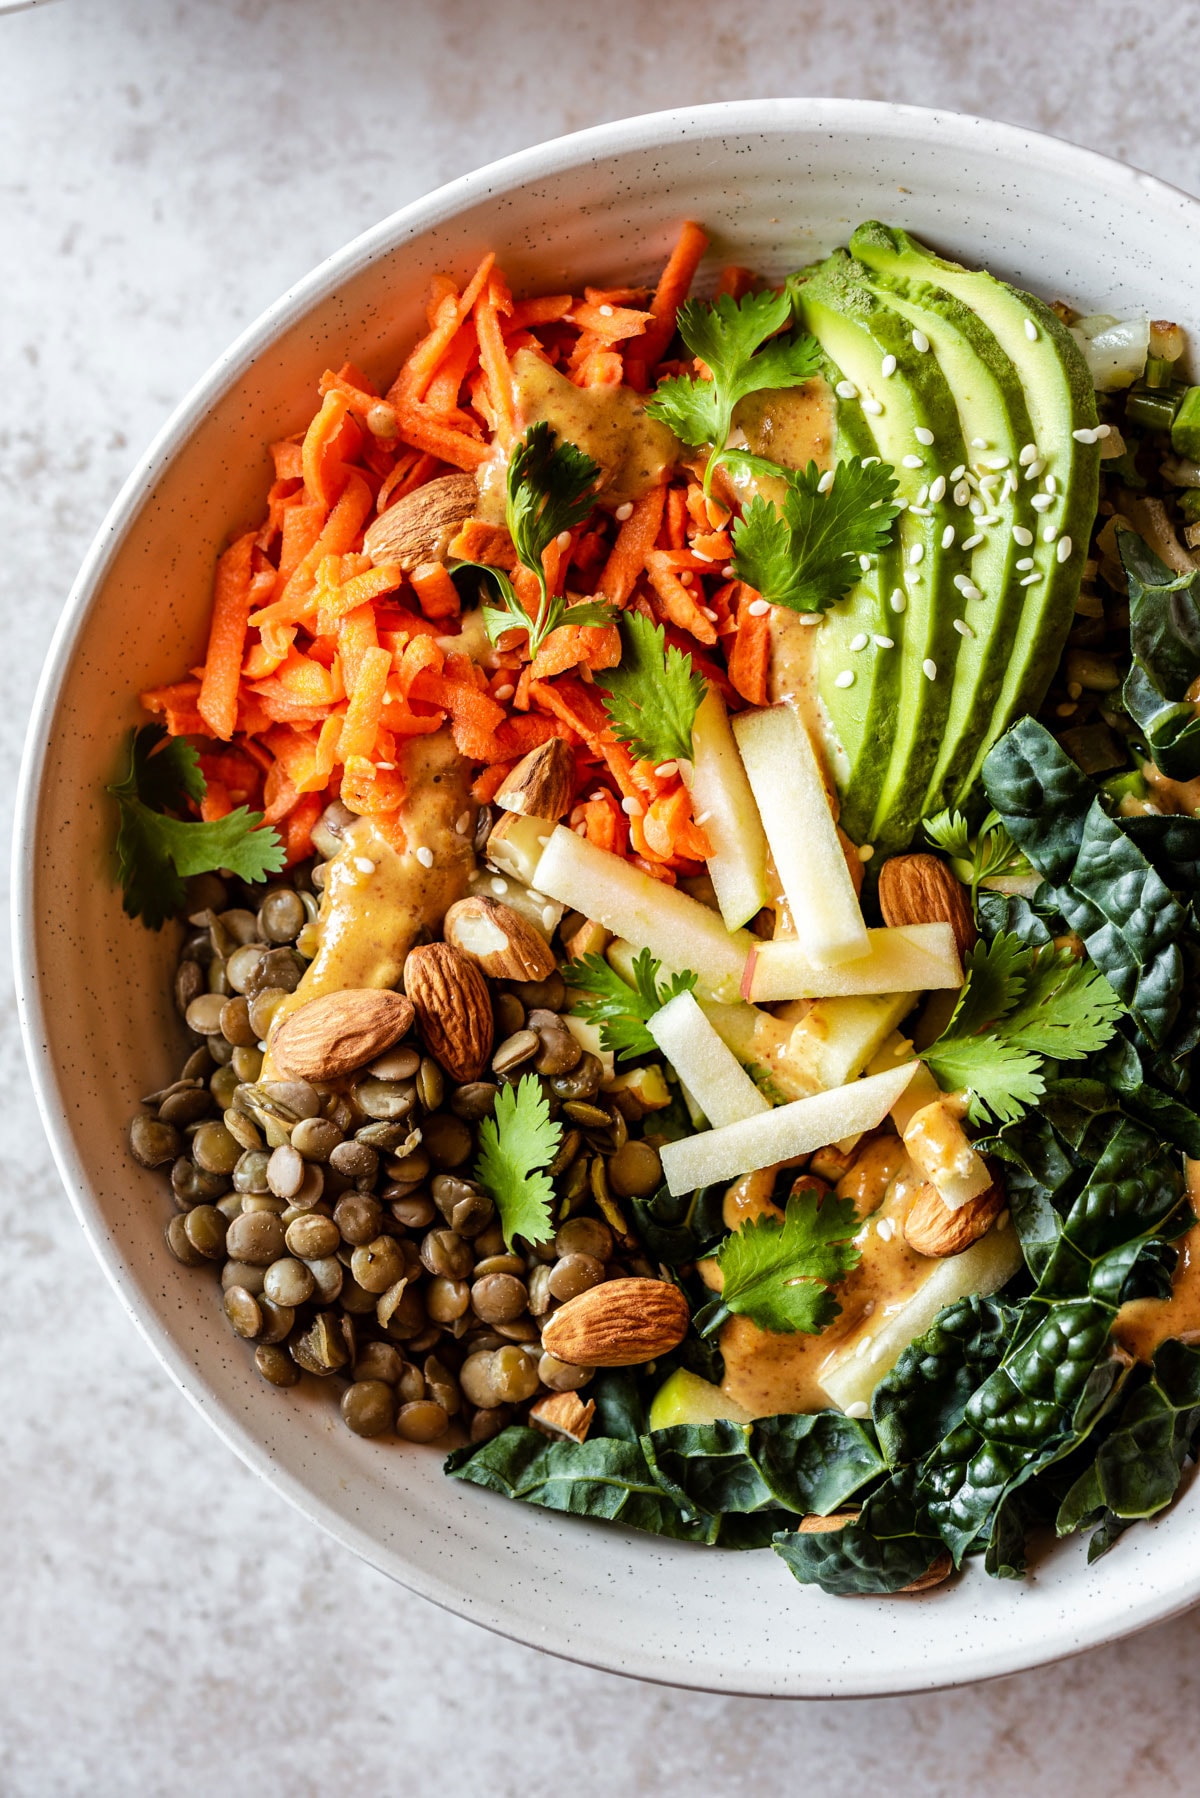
(769, 1373)
(1142, 1324)
(610, 424)
(379, 900)
(792, 426)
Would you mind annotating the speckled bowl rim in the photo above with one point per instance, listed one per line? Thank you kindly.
(856, 118)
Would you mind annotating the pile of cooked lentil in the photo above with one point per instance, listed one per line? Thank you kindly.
(349, 1239)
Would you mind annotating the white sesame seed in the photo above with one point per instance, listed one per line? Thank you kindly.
(916, 553)
(598, 794)
(859, 1408)
(845, 678)
(912, 577)
(885, 1229)
(972, 479)
(811, 618)
(700, 555)
(937, 491)
(963, 628)
(887, 367)
(948, 536)
(388, 765)
(961, 581)
(1074, 690)
(1084, 435)
(871, 461)
(962, 494)
(980, 443)
(971, 591)
(923, 434)
(1050, 533)
(865, 851)
(864, 563)
(758, 608)
(499, 887)
(1102, 431)
(505, 693)
(581, 830)
(1010, 485)
(729, 571)
(709, 614)
(899, 600)
(633, 808)
(913, 461)
(883, 642)
(986, 518)
(920, 511)
(1041, 501)
(666, 770)
(973, 542)
(1050, 484)
(1063, 551)
(1028, 454)
(685, 579)
(549, 917)
(563, 540)
(825, 482)
(865, 1343)
(425, 856)
(1031, 330)
(846, 390)
(703, 817)
(1022, 536)
(860, 641)
(462, 823)
(1025, 563)
(363, 865)
(977, 507)
(920, 341)
(624, 512)
(1030, 579)
(929, 669)
(923, 495)
(606, 311)
(901, 505)
(1035, 468)
(995, 463)
(872, 408)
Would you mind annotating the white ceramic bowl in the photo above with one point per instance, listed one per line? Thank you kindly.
(775, 182)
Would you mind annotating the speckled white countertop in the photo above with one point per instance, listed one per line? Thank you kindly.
(166, 168)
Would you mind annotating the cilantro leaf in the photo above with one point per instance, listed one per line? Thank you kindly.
(653, 696)
(1020, 1004)
(156, 853)
(976, 858)
(806, 556)
(621, 1010)
(777, 1271)
(551, 488)
(730, 337)
(519, 1141)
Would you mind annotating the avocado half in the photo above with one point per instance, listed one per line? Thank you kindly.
(973, 392)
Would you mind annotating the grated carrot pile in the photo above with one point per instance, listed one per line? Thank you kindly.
(320, 663)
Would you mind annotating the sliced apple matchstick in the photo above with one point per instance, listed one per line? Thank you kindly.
(901, 958)
(711, 1072)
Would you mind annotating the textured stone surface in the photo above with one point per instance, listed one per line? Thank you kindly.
(166, 168)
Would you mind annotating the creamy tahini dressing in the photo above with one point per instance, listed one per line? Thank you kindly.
(1143, 1324)
(791, 426)
(610, 424)
(768, 1373)
(378, 901)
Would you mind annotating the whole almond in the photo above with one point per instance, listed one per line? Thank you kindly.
(333, 1035)
(420, 525)
(502, 942)
(932, 1228)
(921, 889)
(619, 1323)
(563, 1415)
(541, 784)
(939, 1568)
(453, 1006)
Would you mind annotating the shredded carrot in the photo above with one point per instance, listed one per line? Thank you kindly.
(635, 540)
(298, 835)
(425, 430)
(324, 474)
(369, 789)
(435, 590)
(578, 706)
(611, 323)
(751, 652)
(669, 295)
(356, 635)
(675, 599)
(217, 701)
(494, 300)
(176, 696)
(489, 783)
(364, 712)
(338, 533)
(414, 378)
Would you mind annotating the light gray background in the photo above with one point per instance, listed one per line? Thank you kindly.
(167, 167)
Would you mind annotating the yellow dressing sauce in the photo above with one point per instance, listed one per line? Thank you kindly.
(610, 424)
(378, 901)
(789, 425)
(769, 1373)
(1142, 1324)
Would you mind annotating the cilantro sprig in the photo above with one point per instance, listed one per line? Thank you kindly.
(622, 1011)
(1018, 1007)
(519, 1141)
(157, 852)
(974, 859)
(805, 554)
(653, 696)
(778, 1271)
(731, 338)
(551, 488)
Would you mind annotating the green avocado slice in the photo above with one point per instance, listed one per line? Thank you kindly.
(1060, 401)
(890, 715)
(991, 496)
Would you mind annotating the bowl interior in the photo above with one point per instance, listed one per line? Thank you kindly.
(775, 183)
